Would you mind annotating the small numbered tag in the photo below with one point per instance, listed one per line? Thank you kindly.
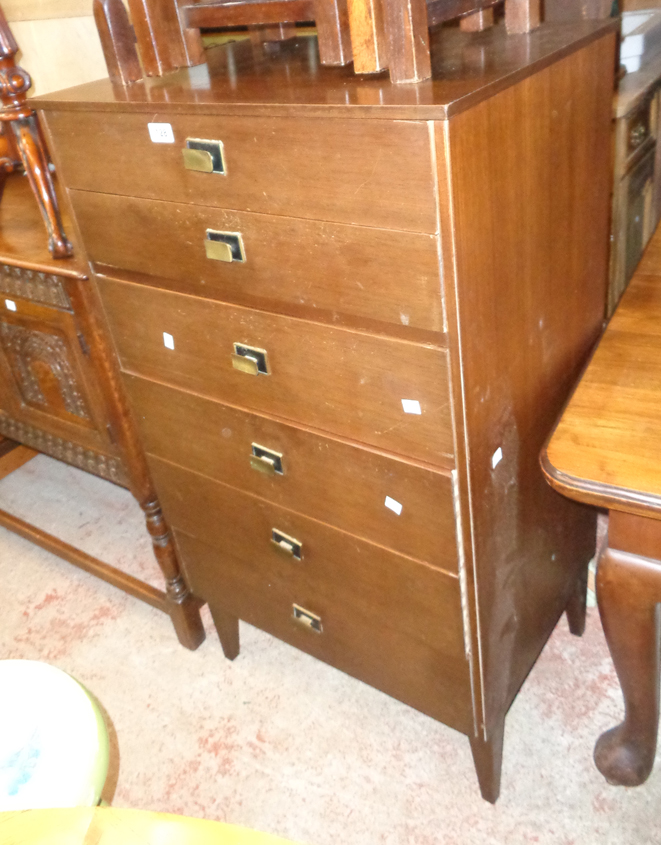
(161, 133)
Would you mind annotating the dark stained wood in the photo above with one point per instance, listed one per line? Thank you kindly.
(439, 11)
(603, 452)
(117, 41)
(110, 574)
(488, 759)
(57, 392)
(227, 627)
(407, 40)
(291, 84)
(213, 15)
(17, 117)
(162, 42)
(318, 373)
(377, 175)
(326, 478)
(13, 456)
(522, 15)
(512, 174)
(345, 570)
(388, 658)
(477, 21)
(629, 592)
(534, 159)
(332, 20)
(358, 270)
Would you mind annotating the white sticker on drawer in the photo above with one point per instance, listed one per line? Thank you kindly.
(161, 133)
(10, 305)
(496, 458)
(393, 505)
(168, 340)
(411, 406)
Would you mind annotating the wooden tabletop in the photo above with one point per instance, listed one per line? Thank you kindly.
(111, 826)
(606, 448)
(23, 236)
(286, 79)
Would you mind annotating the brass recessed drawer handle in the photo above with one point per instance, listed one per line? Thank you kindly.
(286, 545)
(204, 156)
(307, 619)
(224, 246)
(266, 460)
(250, 359)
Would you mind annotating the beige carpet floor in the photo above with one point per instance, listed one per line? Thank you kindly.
(282, 743)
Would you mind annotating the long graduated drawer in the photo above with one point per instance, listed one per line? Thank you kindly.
(350, 383)
(392, 502)
(379, 174)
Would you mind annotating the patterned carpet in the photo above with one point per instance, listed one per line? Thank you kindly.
(282, 743)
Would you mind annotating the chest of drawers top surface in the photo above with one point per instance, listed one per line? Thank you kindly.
(238, 80)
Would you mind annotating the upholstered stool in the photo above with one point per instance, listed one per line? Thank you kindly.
(53, 740)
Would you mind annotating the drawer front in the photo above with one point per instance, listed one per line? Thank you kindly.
(398, 505)
(349, 383)
(375, 173)
(415, 598)
(377, 646)
(378, 274)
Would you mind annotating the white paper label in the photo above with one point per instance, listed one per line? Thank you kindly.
(168, 340)
(10, 305)
(161, 133)
(496, 458)
(393, 505)
(411, 406)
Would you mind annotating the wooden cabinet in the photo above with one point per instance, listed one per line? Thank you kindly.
(345, 347)
(60, 395)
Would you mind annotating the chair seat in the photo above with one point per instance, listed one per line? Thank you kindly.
(53, 740)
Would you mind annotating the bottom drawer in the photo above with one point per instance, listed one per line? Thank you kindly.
(375, 652)
(384, 618)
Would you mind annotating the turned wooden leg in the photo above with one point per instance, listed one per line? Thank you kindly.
(183, 608)
(228, 631)
(577, 605)
(488, 760)
(30, 147)
(628, 589)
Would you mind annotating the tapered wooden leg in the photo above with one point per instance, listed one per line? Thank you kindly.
(228, 631)
(488, 760)
(628, 590)
(577, 605)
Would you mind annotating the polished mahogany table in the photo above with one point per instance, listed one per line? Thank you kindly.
(605, 451)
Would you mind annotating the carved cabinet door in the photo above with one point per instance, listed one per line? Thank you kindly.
(46, 377)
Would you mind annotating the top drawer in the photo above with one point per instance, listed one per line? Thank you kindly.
(370, 172)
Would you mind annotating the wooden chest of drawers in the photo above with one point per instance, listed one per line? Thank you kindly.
(343, 397)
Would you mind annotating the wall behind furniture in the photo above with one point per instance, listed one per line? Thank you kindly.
(59, 43)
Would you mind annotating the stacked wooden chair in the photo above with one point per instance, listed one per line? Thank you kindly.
(375, 34)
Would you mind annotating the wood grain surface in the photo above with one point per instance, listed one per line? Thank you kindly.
(384, 656)
(336, 380)
(289, 81)
(339, 170)
(357, 270)
(604, 448)
(340, 483)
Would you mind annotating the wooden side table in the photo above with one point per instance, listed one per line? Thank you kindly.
(605, 452)
(59, 395)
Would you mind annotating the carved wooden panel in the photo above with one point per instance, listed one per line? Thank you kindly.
(31, 284)
(99, 464)
(40, 363)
